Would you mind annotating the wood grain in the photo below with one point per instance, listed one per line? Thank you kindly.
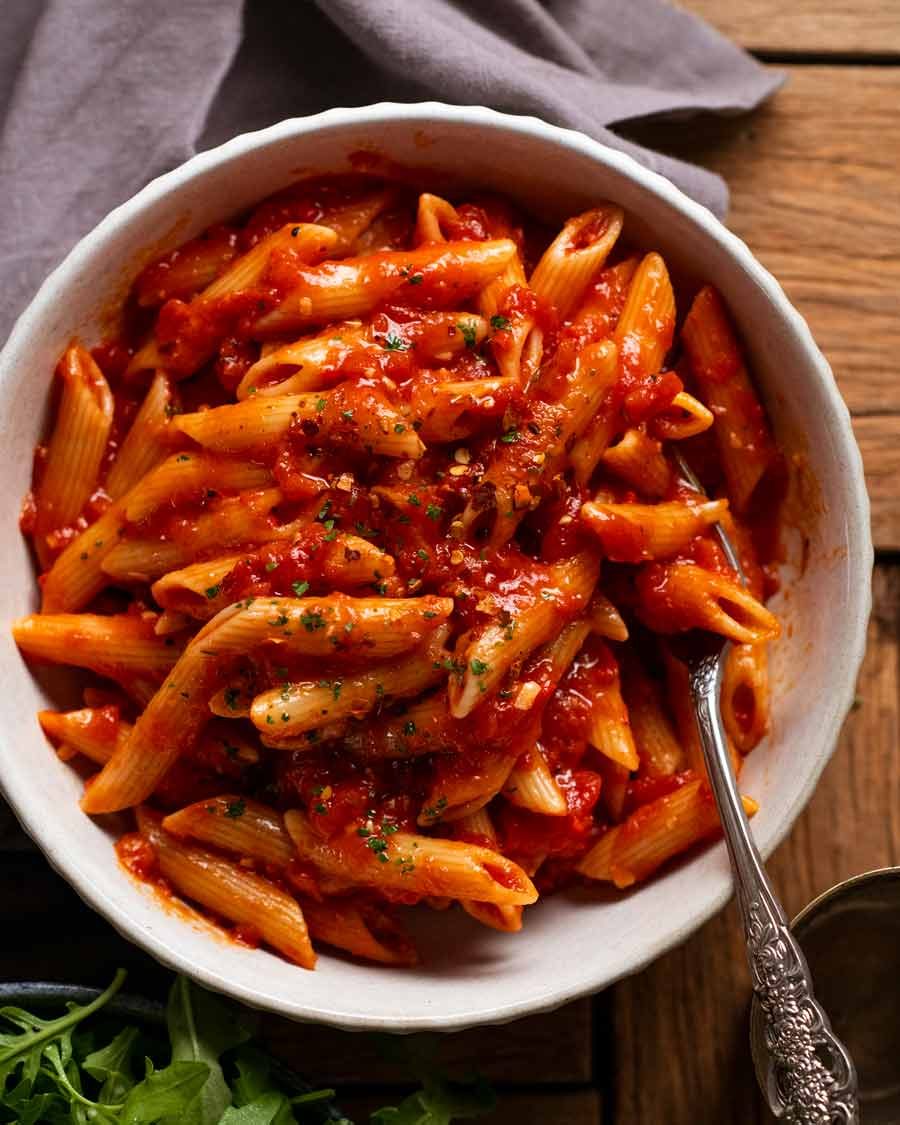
(551, 1048)
(813, 190)
(536, 1107)
(867, 27)
(684, 1019)
(879, 442)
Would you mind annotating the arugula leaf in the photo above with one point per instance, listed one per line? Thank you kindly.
(26, 1049)
(202, 1027)
(439, 1103)
(111, 1065)
(253, 1071)
(164, 1093)
(265, 1110)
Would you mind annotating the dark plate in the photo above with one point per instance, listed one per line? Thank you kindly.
(40, 995)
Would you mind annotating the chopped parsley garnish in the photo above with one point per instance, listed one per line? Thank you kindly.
(182, 457)
(312, 621)
(434, 512)
(510, 437)
(399, 428)
(231, 696)
(299, 588)
(499, 322)
(394, 343)
(271, 565)
(235, 809)
(213, 591)
(281, 619)
(409, 727)
(479, 668)
(468, 332)
(423, 555)
(414, 500)
(348, 414)
(432, 812)
(320, 405)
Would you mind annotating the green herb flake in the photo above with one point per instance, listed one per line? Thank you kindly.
(434, 512)
(213, 591)
(499, 322)
(510, 437)
(320, 405)
(312, 621)
(479, 668)
(394, 343)
(469, 333)
(235, 809)
(299, 588)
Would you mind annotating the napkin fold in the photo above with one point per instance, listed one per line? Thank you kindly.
(100, 96)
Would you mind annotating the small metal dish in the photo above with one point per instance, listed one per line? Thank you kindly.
(851, 938)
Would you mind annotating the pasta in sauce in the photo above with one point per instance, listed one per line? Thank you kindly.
(368, 523)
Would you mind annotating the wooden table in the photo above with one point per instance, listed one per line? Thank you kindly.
(815, 193)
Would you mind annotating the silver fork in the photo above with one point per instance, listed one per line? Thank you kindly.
(810, 1078)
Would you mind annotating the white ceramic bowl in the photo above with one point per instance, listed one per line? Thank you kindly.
(570, 945)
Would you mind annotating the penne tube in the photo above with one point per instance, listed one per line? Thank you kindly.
(188, 476)
(614, 791)
(631, 533)
(77, 575)
(115, 646)
(233, 521)
(75, 449)
(145, 443)
(609, 723)
(313, 362)
(231, 891)
(527, 456)
(92, 731)
(237, 825)
(450, 410)
(487, 655)
(294, 708)
(364, 929)
(351, 220)
(643, 337)
(745, 695)
(658, 747)
(309, 242)
(184, 272)
(531, 785)
(577, 253)
(605, 620)
(638, 459)
(507, 919)
(744, 441)
(685, 417)
(604, 301)
(676, 597)
(445, 273)
(344, 563)
(456, 795)
(432, 213)
(423, 865)
(424, 727)
(261, 423)
(656, 832)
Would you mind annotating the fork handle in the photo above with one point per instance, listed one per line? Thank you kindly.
(810, 1077)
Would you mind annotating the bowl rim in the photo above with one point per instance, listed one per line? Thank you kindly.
(859, 559)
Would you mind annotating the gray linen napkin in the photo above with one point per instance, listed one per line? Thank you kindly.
(99, 96)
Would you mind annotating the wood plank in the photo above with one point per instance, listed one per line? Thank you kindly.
(551, 1048)
(813, 182)
(840, 26)
(681, 1025)
(566, 1107)
(879, 440)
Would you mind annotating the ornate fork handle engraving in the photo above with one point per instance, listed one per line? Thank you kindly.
(811, 1079)
(810, 1073)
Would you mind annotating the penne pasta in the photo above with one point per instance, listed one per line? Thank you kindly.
(424, 865)
(745, 695)
(355, 286)
(259, 423)
(745, 445)
(75, 449)
(631, 533)
(145, 443)
(231, 891)
(578, 252)
(667, 826)
(660, 753)
(508, 919)
(531, 785)
(637, 459)
(675, 597)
